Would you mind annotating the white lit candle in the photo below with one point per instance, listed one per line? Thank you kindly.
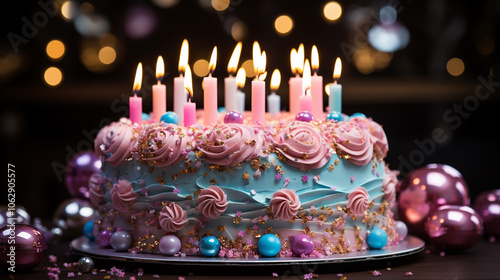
(230, 87)
(335, 98)
(274, 100)
(179, 91)
(240, 95)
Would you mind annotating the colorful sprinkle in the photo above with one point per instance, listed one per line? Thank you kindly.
(305, 178)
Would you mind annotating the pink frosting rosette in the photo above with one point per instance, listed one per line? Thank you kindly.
(301, 145)
(390, 183)
(96, 190)
(376, 134)
(115, 142)
(172, 218)
(285, 204)
(163, 144)
(353, 143)
(230, 144)
(358, 201)
(123, 195)
(212, 202)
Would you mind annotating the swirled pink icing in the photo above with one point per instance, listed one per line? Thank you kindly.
(285, 204)
(163, 144)
(123, 195)
(302, 145)
(376, 134)
(358, 201)
(230, 144)
(353, 142)
(212, 202)
(172, 218)
(96, 190)
(389, 184)
(115, 142)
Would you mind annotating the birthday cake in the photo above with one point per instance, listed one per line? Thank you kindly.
(310, 188)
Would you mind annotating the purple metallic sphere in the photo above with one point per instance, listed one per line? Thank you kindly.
(27, 252)
(104, 238)
(426, 189)
(454, 228)
(302, 244)
(487, 205)
(233, 117)
(170, 245)
(304, 116)
(78, 172)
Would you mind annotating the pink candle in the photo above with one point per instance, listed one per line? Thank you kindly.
(135, 102)
(316, 86)
(159, 92)
(295, 88)
(258, 101)
(189, 113)
(210, 93)
(305, 103)
(135, 106)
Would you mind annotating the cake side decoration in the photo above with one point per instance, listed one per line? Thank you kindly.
(172, 218)
(376, 133)
(96, 190)
(389, 184)
(284, 204)
(353, 143)
(212, 202)
(123, 195)
(358, 201)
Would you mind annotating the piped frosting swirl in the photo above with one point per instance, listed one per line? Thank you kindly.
(358, 201)
(116, 141)
(353, 143)
(212, 202)
(123, 195)
(96, 190)
(172, 218)
(284, 204)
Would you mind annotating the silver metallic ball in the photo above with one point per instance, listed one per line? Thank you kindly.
(85, 264)
(121, 241)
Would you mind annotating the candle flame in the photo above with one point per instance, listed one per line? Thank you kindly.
(262, 74)
(314, 59)
(184, 56)
(235, 58)
(213, 61)
(138, 79)
(337, 69)
(306, 78)
(160, 68)
(300, 58)
(188, 83)
(241, 78)
(293, 61)
(256, 54)
(327, 88)
(275, 80)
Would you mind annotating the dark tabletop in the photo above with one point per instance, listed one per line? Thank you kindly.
(480, 262)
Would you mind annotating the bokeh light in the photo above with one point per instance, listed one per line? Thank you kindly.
(332, 11)
(52, 76)
(55, 49)
(107, 55)
(455, 66)
(485, 46)
(200, 68)
(220, 5)
(283, 24)
(67, 10)
(239, 31)
(248, 66)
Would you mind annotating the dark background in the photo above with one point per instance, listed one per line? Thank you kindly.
(413, 94)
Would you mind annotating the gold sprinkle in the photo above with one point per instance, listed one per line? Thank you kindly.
(212, 181)
(246, 176)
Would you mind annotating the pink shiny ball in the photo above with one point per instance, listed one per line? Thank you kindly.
(78, 172)
(304, 116)
(487, 205)
(454, 228)
(104, 239)
(426, 189)
(302, 244)
(233, 117)
(27, 252)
